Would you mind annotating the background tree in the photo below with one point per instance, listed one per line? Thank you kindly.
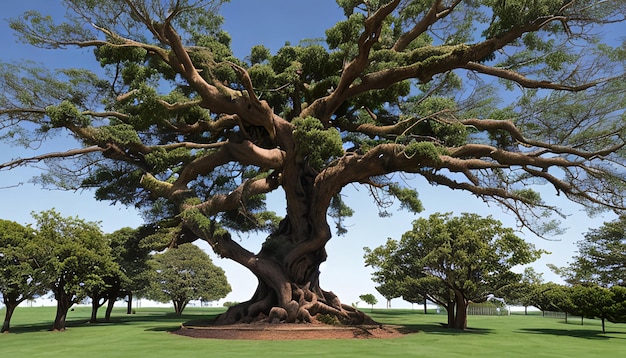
(552, 297)
(601, 258)
(369, 299)
(186, 273)
(389, 291)
(180, 125)
(520, 293)
(132, 255)
(424, 289)
(467, 257)
(387, 278)
(104, 291)
(21, 276)
(617, 310)
(591, 301)
(75, 255)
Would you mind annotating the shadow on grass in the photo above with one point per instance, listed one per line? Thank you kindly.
(399, 318)
(441, 329)
(155, 321)
(578, 333)
(159, 321)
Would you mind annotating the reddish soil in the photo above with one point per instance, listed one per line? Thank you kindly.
(286, 331)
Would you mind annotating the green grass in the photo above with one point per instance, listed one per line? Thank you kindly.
(145, 334)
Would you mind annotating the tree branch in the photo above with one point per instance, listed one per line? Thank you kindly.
(70, 153)
(245, 153)
(324, 107)
(435, 13)
(524, 81)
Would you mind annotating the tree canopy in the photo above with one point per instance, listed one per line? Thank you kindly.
(485, 96)
(76, 259)
(21, 275)
(132, 255)
(452, 261)
(186, 273)
(601, 257)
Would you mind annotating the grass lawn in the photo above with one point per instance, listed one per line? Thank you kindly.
(145, 334)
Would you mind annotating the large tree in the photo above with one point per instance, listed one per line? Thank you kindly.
(186, 273)
(178, 124)
(22, 277)
(453, 260)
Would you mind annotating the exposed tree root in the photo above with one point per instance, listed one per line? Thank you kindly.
(306, 306)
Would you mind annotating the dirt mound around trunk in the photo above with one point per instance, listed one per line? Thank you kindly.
(287, 331)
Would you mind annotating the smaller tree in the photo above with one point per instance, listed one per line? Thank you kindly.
(591, 301)
(21, 276)
(389, 290)
(520, 293)
(132, 255)
(369, 299)
(186, 273)
(552, 297)
(77, 258)
(453, 261)
(601, 258)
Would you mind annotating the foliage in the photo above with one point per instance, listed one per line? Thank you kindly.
(186, 273)
(584, 300)
(369, 299)
(551, 297)
(601, 258)
(21, 276)
(316, 145)
(132, 257)
(75, 256)
(521, 293)
(451, 259)
(328, 319)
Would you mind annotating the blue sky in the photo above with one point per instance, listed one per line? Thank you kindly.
(271, 23)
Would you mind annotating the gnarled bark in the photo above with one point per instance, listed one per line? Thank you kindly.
(289, 289)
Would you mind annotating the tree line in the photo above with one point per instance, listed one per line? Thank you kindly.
(72, 259)
(455, 261)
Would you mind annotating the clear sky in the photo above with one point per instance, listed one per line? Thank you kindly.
(271, 23)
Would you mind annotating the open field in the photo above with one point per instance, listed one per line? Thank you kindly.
(145, 334)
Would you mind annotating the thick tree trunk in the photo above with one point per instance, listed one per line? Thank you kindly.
(450, 309)
(287, 266)
(110, 304)
(64, 302)
(95, 304)
(10, 308)
(288, 289)
(460, 321)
